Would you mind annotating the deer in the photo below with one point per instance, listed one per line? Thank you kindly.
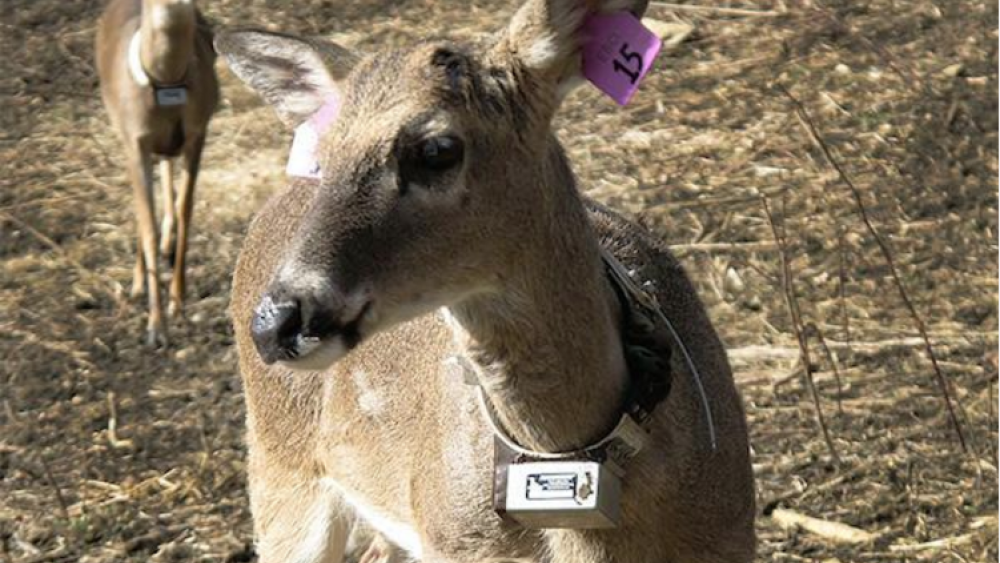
(447, 224)
(156, 66)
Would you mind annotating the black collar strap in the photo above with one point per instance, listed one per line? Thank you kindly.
(648, 337)
(645, 342)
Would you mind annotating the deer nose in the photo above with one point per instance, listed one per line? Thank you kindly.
(276, 329)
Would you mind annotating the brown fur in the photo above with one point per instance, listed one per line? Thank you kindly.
(175, 48)
(510, 248)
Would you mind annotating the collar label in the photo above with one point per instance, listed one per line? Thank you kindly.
(618, 53)
(171, 96)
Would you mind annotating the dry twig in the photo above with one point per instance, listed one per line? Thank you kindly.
(842, 284)
(991, 418)
(41, 201)
(763, 246)
(800, 494)
(793, 310)
(717, 10)
(943, 543)
(809, 125)
(757, 353)
(833, 531)
(813, 329)
(63, 506)
(113, 425)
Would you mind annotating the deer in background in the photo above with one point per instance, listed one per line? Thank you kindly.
(156, 63)
(447, 223)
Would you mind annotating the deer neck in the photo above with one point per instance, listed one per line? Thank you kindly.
(167, 39)
(547, 347)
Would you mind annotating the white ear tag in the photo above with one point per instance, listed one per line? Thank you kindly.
(302, 159)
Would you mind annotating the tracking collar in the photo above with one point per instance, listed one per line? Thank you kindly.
(647, 338)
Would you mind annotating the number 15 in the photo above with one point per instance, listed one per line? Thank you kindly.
(629, 58)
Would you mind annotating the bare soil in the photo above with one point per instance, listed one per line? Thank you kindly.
(113, 452)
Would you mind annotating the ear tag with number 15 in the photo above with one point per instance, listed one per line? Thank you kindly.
(619, 51)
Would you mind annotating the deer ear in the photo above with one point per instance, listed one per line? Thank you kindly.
(545, 36)
(294, 75)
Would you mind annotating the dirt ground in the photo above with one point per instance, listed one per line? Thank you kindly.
(112, 452)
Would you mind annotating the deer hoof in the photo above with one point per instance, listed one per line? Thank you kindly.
(156, 338)
(137, 290)
(175, 309)
(167, 241)
(169, 256)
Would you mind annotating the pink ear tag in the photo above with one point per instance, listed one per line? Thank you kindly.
(618, 53)
(302, 161)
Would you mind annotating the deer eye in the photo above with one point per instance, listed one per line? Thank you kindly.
(438, 154)
(422, 162)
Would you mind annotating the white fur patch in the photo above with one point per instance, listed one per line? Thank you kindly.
(308, 280)
(398, 533)
(316, 355)
(310, 541)
(370, 400)
(135, 60)
(543, 52)
(316, 542)
(458, 331)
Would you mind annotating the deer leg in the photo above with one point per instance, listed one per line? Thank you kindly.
(377, 550)
(139, 272)
(185, 206)
(140, 168)
(167, 224)
(297, 519)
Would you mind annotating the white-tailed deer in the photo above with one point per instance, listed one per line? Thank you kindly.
(156, 65)
(447, 224)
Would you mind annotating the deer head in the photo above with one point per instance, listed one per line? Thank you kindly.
(439, 174)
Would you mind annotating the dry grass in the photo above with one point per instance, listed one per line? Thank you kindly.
(110, 452)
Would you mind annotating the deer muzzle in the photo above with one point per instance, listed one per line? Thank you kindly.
(306, 329)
